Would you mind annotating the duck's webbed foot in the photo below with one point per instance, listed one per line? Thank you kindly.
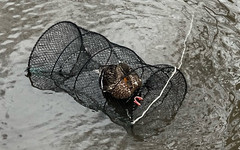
(137, 99)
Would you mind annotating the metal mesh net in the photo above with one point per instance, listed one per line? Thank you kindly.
(67, 58)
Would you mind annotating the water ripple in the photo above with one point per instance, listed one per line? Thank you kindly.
(209, 117)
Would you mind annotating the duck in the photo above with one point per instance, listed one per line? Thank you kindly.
(121, 82)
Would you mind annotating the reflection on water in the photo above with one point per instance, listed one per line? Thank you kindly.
(209, 117)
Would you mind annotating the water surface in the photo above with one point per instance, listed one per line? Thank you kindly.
(209, 117)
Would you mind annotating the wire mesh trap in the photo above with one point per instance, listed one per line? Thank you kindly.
(71, 59)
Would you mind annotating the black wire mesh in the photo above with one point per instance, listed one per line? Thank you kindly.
(67, 58)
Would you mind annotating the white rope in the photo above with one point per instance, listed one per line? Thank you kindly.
(185, 41)
(175, 70)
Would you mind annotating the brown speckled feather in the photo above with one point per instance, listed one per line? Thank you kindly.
(119, 80)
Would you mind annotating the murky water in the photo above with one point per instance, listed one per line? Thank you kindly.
(210, 115)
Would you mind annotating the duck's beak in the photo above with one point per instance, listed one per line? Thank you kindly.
(136, 99)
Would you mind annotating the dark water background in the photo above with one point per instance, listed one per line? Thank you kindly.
(210, 115)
